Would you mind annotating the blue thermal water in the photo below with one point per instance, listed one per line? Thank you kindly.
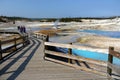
(91, 55)
(113, 34)
(95, 55)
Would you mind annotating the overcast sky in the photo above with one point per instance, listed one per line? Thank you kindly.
(60, 8)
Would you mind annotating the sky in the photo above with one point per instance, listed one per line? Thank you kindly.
(60, 8)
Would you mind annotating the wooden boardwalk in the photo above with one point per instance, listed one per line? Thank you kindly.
(28, 64)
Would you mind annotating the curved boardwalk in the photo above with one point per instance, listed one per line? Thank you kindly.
(28, 64)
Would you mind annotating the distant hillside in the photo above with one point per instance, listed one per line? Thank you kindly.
(9, 19)
(67, 19)
(3, 19)
(70, 19)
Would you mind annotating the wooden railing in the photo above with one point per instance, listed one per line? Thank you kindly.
(12, 45)
(40, 36)
(111, 66)
(71, 57)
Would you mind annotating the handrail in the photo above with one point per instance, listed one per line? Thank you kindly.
(15, 42)
(73, 46)
(11, 40)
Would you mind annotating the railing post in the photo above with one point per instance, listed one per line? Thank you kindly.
(27, 38)
(42, 37)
(15, 43)
(46, 47)
(0, 50)
(23, 41)
(47, 39)
(110, 60)
(36, 35)
(70, 53)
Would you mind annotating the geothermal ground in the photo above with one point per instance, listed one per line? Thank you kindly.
(70, 32)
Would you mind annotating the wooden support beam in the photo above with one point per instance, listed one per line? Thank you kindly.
(47, 39)
(15, 43)
(114, 67)
(46, 47)
(110, 60)
(70, 53)
(23, 41)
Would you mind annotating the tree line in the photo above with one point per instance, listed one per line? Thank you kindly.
(8, 19)
(67, 19)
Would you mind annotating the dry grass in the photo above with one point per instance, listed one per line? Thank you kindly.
(52, 32)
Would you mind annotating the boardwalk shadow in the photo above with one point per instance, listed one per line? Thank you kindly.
(117, 76)
(5, 68)
(23, 65)
(11, 54)
(87, 65)
(77, 62)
